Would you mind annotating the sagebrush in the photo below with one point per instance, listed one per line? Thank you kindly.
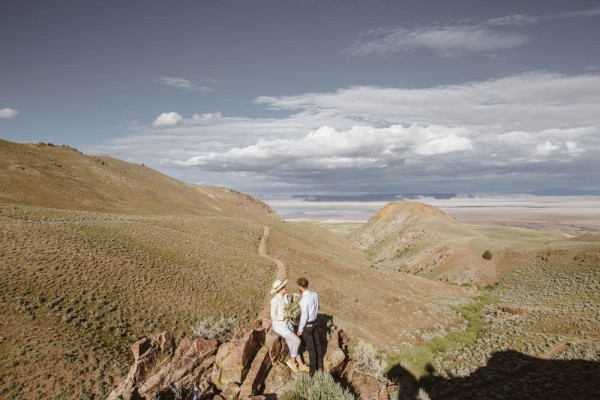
(367, 359)
(320, 387)
(221, 328)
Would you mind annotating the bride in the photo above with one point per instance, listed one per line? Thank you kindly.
(283, 326)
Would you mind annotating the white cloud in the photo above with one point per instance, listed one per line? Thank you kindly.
(6, 113)
(545, 149)
(443, 145)
(167, 119)
(514, 20)
(207, 117)
(445, 40)
(359, 147)
(493, 130)
(455, 39)
(186, 84)
(573, 148)
(518, 19)
(531, 101)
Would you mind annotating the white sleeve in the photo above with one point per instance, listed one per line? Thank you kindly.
(274, 304)
(303, 313)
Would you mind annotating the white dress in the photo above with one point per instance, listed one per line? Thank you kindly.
(282, 326)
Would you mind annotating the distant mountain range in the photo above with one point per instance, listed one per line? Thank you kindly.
(388, 197)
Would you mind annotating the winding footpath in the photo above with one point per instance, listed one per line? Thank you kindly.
(557, 348)
(262, 251)
(281, 269)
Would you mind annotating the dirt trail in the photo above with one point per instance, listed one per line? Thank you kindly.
(558, 347)
(262, 251)
(281, 269)
(555, 349)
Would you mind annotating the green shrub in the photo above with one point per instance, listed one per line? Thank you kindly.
(221, 328)
(320, 387)
(416, 358)
(487, 255)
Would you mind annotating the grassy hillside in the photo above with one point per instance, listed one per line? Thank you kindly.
(44, 175)
(96, 252)
(78, 288)
(386, 308)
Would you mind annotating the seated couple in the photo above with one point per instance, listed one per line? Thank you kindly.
(307, 328)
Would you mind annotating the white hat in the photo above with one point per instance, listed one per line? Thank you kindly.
(277, 285)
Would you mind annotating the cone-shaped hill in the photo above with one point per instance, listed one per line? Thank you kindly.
(420, 239)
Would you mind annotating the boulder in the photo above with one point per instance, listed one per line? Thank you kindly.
(234, 359)
(278, 350)
(203, 390)
(367, 387)
(336, 356)
(254, 382)
(190, 355)
(278, 376)
(150, 356)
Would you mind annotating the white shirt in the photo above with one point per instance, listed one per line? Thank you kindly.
(309, 306)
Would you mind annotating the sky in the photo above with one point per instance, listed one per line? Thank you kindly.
(314, 96)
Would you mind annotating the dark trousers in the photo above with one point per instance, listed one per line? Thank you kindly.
(310, 334)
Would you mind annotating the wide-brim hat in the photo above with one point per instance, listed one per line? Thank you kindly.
(277, 285)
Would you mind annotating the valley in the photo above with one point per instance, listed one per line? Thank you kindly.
(96, 253)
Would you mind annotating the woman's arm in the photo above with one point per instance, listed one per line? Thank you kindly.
(274, 305)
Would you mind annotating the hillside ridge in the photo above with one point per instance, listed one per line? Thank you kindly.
(51, 176)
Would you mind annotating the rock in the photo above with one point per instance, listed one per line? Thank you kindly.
(278, 350)
(254, 382)
(227, 368)
(337, 353)
(140, 347)
(277, 377)
(203, 390)
(368, 387)
(234, 359)
(150, 356)
(191, 354)
(231, 392)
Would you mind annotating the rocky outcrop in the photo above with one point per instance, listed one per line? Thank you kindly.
(158, 366)
(251, 365)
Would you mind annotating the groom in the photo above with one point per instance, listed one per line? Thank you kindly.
(308, 328)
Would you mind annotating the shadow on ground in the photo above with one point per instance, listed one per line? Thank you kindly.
(508, 375)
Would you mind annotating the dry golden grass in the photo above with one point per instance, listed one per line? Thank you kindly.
(61, 177)
(387, 308)
(96, 252)
(78, 288)
(420, 239)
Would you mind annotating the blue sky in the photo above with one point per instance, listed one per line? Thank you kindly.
(314, 96)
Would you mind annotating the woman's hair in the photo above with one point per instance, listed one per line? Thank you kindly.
(302, 282)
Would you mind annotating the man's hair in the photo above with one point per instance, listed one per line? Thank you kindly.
(302, 282)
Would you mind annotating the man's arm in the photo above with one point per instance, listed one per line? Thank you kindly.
(303, 315)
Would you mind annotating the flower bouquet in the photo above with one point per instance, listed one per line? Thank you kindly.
(292, 311)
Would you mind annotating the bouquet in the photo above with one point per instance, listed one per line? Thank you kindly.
(292, 311)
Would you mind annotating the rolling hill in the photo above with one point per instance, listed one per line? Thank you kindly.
(420, 239)
(45, 175)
